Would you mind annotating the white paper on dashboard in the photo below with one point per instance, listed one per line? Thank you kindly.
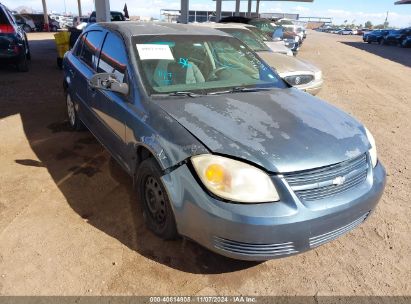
(154, 51)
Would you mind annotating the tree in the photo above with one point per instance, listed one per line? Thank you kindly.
(368, 24)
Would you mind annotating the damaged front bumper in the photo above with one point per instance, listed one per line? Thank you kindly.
(269, 230)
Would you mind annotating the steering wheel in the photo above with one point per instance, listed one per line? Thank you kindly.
(214, 73)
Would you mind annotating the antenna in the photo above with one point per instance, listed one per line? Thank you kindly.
(386, 19)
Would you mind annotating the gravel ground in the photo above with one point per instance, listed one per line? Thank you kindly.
(70, 224)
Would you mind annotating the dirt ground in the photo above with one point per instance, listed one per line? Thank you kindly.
(70, 223)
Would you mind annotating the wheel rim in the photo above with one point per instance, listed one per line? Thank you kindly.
(71, 111)
(155, 202)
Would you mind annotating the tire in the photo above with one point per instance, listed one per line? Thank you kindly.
(28, 53)
(74, 121)
(23, 64)
(157, 211)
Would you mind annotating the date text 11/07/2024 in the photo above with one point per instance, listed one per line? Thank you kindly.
(203, 299)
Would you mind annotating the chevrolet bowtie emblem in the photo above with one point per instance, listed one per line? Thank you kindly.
(339, 180)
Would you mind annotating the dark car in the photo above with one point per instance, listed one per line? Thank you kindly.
(292, 40)
(14, 47)
(221, 150)
(115, 16)
(406, 43)
(397, 37)
(38, 20)
(375, 36)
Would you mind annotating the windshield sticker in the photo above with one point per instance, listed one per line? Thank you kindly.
(154, 51)
(165, 77)
(184, 62)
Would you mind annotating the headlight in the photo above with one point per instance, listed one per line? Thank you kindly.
(373, 150)
(234, 180)
(318, 75)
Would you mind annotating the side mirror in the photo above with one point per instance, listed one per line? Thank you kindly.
(109, 82)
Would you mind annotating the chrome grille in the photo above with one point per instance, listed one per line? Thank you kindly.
(255, 249)
(326, 237)
(328, 181)
(296, 80)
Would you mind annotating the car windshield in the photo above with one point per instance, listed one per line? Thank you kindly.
(263, 25)
(200, 64)
(247, 37)
(259, 34)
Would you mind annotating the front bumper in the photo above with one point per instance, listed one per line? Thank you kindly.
(269, 230)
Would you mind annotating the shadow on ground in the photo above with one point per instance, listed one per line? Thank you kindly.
(95, 186)
(393, 53)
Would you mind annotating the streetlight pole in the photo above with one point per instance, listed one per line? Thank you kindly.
(79, 8)
(46, 17)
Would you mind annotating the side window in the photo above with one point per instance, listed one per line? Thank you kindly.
(113, 58)
(11, 17)
(91, 48)
(79, 45)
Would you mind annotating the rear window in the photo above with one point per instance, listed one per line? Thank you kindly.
(3, 17)
(248, 38)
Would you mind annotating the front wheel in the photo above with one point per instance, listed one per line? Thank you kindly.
(157, 211)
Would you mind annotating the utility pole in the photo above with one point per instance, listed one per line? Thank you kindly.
(386, 21)
(79, 8)
(46, 17)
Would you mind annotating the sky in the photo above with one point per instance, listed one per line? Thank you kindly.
(340, 10)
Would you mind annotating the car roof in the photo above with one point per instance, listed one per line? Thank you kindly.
(135, 28)
(224, 25)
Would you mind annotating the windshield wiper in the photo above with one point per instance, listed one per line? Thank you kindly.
(240, 90)
(185, 93)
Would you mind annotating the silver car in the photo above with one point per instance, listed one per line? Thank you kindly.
(298, 73)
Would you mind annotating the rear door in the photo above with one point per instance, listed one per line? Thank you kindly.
(82, 68)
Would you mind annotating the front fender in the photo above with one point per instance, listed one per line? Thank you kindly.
(167, 140)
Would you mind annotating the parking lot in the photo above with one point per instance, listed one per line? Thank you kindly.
(70, 211)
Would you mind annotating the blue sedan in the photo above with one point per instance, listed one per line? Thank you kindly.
(221, 150)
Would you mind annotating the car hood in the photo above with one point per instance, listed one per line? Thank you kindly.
(282, 130)
(286, 64)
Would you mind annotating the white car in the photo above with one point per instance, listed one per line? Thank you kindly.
(291, 26)
(348, 32)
